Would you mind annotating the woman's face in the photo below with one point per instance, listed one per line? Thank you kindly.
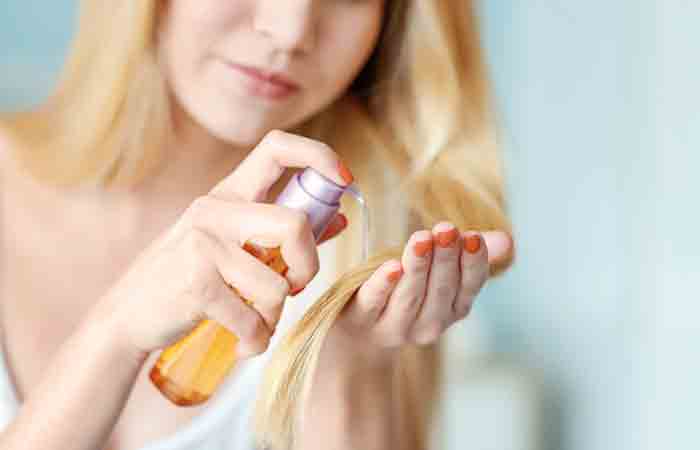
(315, 48)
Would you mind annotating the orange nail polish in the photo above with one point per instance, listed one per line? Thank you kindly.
(423, 248)
(335, 228)
(345, 173)
(395, 276)
(298, 291)
(472, 244)
(447, 238)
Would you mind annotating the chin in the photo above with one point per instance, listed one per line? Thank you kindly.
(238, 137)
(240, 132)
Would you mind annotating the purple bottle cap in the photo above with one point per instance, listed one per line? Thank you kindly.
(314, 194)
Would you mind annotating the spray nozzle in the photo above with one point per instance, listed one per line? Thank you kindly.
(359, 198)
(319, 197)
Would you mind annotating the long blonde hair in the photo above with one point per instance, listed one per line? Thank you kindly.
(419, 113)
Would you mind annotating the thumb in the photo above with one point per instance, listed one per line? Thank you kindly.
(499, 244)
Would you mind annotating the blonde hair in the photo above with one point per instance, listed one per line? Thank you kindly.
(419, 112)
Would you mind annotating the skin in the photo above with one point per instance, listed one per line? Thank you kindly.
(175, 243)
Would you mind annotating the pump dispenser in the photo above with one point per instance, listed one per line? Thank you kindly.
(189, 371)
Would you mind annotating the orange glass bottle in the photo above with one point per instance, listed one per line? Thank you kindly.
(189, 371)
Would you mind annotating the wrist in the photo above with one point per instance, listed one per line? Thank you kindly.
(352, 356)
(104, 326)
(354, 379)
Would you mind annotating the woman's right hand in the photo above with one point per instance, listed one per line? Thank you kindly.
(183, 275)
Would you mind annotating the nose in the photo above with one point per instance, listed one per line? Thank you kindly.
(290, 24)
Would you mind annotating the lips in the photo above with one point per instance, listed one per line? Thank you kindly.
(277, 79)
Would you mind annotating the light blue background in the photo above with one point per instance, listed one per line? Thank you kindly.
(33, 38)
(598, 105)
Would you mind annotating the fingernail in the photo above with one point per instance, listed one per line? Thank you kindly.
(447, 238)
(472, 244)
(394, 276)
(423, 248)
(335, 227)
(345, 173)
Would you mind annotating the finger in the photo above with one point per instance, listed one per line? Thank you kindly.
(218, 218)
(214, 300)
(267, 225)
(406, 299)
(499, 243)
(374, 293)
(249, 279)
(248, 326)
(245, 275)
(337, 225)
(443, 284)
(475, 271)
(278, 150)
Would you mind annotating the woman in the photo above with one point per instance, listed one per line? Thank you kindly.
(157, 157)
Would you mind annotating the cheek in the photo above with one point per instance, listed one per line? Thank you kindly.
(191, 44)
(192, 30)
(345, 50)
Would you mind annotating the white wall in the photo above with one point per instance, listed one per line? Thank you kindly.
(673, 366)
(33, 39)
(600, 107)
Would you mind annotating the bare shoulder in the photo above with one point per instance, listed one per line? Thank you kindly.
(9, 172)
(10, 168)
(4, 142)
(6, 149)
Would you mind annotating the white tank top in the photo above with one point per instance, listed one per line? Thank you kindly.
(225, 421)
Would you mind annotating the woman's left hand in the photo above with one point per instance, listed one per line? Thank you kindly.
(413, 301)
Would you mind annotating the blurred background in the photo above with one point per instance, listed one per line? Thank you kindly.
(587, 342)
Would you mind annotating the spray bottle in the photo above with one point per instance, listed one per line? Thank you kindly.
(189, 371)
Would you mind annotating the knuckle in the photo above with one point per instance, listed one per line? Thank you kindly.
(445, 292)
(395, 339)
(373, 307)
(463, 308)
(195, 245)
(315, 265)
(198, 208)
(271, 293)
(198, 277)
(473, 282)
(429, 334)
(203, 287)
(404, 336)
(323, 148)
(416, 269)
(251, 328)
(371, 303)
(272, 142)
(274, 135)
(284, 290)
(419, 265)
(484, 275)
(257, 346)
(192, 240)
(298, 222)
(411, 301)
(197, 316)
(279, 289)
(255, 338)
(445, 255)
